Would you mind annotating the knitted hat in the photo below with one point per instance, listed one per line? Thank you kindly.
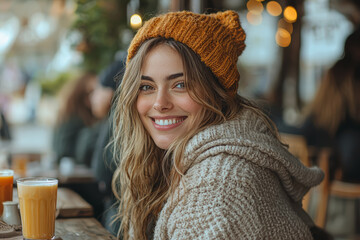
(217, 38)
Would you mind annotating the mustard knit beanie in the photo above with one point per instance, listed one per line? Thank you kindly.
(217, 38)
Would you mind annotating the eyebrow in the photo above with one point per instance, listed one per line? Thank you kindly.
(170, 77)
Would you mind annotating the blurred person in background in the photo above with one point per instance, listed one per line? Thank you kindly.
(334, 122)
(102, 162)
(75, 115)
(4, 128)
(334, 115)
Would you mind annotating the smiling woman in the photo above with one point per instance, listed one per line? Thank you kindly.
(164, 105)
(197, 160)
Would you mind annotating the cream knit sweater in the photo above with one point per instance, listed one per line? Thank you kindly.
(242, 184)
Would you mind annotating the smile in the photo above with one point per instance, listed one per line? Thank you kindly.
(167, 123)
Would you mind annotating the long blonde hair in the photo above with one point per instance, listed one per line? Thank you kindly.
(148, 175)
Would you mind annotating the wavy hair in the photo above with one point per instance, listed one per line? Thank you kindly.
(147, 175)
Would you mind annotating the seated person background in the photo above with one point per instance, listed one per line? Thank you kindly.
(102, 163)
(74, 115)
(4, 128)
(334, 116)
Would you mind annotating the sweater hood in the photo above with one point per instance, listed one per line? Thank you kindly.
(248, 137)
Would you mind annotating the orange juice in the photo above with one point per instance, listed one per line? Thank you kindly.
(6, 187)
(37, 199)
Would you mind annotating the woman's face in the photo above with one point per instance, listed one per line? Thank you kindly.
(101, 101)
(163, 103)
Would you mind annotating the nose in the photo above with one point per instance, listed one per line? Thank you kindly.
(163, 102)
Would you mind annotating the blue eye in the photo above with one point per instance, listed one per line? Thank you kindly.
(180, 85)
(145, 88)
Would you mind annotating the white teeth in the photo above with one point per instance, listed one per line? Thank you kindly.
(167, 122)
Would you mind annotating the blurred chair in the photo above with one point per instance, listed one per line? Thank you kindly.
(332, 188)
(298, 147)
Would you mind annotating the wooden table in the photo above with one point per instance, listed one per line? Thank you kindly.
(77, 228)
(81, 229)
(69, 204)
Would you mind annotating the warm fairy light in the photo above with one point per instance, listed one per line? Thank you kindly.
(254, 18)
(290, 14)
(135, 21)
(285, 25)
(282, 37)
(274, 8)
(255, 6)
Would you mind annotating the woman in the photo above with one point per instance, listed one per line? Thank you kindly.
(73, 118)
(198, 161)
(334, 114)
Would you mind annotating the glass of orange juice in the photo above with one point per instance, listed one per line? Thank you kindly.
(6, 187)
(37, 200)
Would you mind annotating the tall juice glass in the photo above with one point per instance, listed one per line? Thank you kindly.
(6, 187)
(37, 199)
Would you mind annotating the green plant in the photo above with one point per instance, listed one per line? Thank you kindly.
(100, 23)
(51, 85)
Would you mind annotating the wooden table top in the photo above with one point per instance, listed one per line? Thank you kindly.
(77, 228)
(81, 229)
(69, 204)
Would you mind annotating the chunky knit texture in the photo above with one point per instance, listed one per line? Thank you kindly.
(241, 184)
(217, 38)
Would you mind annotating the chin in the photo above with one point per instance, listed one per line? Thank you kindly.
(163, 144)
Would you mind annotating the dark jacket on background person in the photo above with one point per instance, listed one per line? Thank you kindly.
(65, 137)
(345, 146)
(102, 163)
(4, 128)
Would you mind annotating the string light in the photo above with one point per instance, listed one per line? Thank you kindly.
(285, 25)
(274, 8)
(283, 37)
(255, 7)
(135, 21)
(290, 14)
(254, 18)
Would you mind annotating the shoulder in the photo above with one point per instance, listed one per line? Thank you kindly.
(246, 128)
(222, 167)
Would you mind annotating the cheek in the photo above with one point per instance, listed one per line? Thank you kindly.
(190, 106)
(143, 106)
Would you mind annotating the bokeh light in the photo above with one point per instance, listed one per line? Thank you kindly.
(274, 8)
(255, 7)
(283, 37)
(254, 18)
(135, 21)
(285, 25)
(290, 14)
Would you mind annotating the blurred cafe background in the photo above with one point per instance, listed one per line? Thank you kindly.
(46, 46)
